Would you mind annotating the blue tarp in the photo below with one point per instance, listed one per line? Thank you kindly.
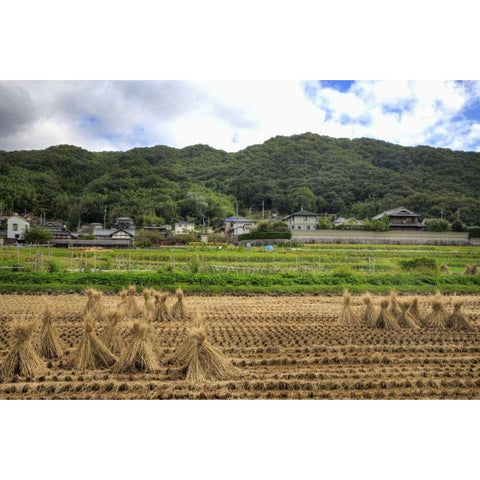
(269, 248)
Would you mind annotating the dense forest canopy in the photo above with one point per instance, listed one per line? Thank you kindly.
(358, 177)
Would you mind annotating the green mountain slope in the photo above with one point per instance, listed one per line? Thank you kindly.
(352, 177)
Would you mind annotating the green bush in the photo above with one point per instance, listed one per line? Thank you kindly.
(425, 265)
(36, 235)
(265, 235)
(474, 232)
(458, 226)
(324, 224)
(437, 225)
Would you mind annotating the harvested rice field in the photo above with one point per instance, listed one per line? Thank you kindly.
(302, 347)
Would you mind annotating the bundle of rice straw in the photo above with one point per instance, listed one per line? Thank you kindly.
(471, 270)
(457, 319)
(93, 306)
(347, 317)
(49, 344)
(92, 352)
(385, 319)
(407, 320)
(161, 310)
(148, 310)
(444, 269)
(201, 360)
(111, 336)
(395, 306)
(22, 359)
(139, 354)
(415, 312)
(133, 308)
(179, 311)
(122, 305)
(438, 317)
(370, 315)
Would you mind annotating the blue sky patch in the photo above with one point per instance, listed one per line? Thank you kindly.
(339, 85)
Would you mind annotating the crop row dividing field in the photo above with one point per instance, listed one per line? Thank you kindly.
(291, 347)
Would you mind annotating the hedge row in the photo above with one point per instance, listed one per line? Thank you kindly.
(265, 235)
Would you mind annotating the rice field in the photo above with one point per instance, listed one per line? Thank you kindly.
(296, 347)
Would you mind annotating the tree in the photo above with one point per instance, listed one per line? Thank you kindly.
(36, 234)
(437, 225)
(324, 224)
(458, 226)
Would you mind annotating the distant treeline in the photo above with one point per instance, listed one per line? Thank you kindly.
(161, 184)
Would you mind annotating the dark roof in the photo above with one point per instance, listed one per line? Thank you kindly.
(108, 232)
(396, 212)
(304, 213)
(239, 219)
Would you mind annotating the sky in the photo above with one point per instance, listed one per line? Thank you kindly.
(231, 115)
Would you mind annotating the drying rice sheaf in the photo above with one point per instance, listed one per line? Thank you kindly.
(444, 269)
(438, 317)
(94, 306)
(92, 352)
(457, 320)
(407, 319)
(22, 359)
(139, 355)
(415, 311)
(161, 310)
(179, 311)
(148, 310)
(385, 319)
(370, 315)
(347, 317)
(49, 344)
(111, 336)
(395, 306)
(202, 361)
(133, 307)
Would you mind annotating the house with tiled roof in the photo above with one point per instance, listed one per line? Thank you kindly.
(402, 219)
(302, 220)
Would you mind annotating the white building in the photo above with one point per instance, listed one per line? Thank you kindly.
(302, 220)
(237, 225)
(16, 226)
(184, 227)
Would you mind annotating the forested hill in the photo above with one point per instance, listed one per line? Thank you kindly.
(350, 177)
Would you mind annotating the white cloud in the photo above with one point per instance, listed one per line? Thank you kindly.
(233, 115)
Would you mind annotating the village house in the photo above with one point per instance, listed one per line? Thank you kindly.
(124, 222)
(402, 219)
(153, 227)
(237, 225)
(115, 234)
(302, 220)
(183, 227)
(58, 230)
(16, 226)
(348, 223)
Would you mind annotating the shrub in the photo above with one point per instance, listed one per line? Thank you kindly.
(277, 226)
(425, 265)
(324, 224)
(474, 232)
(437, 225)
(265, 235)
(37, 235)
(458, 226)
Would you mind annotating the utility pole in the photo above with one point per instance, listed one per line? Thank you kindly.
(236, 221)
(105, 217)
(263, 209)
